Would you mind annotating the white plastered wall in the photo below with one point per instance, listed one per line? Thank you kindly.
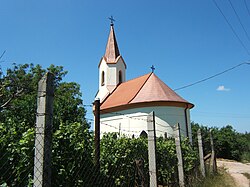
(189, 126)
(111, 77)
(134, 121)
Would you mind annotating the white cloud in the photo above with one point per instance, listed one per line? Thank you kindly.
(222, 88)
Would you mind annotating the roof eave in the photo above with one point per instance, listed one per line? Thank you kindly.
(146, 104)
(116, 60)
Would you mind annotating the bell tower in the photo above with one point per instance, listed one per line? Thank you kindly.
(112, 67)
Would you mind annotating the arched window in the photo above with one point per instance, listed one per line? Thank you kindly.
(166, 135)
(120, 76)
(102, 78)
(143, 134)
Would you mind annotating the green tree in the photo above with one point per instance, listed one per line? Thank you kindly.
(228, 143)
(245, 157)
(71, 136)
(19, 91)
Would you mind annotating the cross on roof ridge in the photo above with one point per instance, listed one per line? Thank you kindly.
(112, 20)
(152, 68)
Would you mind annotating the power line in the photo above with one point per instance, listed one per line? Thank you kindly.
(2, 54)
(88, 105)
(231, 27)
(133, 131)
(238, 17)
(221, 115)
(121, 129)
(247, 7)
(89, 119)
(165, 126)
(203, 80)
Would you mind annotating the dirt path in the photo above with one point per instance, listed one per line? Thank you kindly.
(236, 170)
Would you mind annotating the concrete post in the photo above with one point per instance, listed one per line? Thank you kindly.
(179, 156)
(202, 165)
(213, 167)
(152, 150)
(43, 136)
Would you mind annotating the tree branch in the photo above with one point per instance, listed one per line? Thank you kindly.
(14, 95)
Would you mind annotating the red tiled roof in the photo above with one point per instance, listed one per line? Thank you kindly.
(124, 92)
(145, 89)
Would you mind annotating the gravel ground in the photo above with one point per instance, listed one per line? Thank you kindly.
(236, 170)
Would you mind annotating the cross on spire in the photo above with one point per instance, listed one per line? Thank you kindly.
(112, 20)
(152, 68)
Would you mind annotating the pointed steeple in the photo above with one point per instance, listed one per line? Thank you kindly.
(112, 50)
(112, 67)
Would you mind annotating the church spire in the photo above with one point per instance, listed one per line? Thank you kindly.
(112, 68)
(112, 50)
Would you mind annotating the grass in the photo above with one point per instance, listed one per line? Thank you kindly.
(221, 179)
(245, 157)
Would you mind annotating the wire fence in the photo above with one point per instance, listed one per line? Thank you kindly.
(16, 158)
(123, 161)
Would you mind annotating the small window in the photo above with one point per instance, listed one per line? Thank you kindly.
(120, 77)
(102, 78)
(166, 135)
(143, 134)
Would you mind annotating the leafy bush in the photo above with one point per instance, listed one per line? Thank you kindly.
(71, 156)
(118, 159)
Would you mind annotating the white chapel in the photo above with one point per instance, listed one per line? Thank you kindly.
(124, 105)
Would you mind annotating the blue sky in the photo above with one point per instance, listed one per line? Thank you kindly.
(185, 40)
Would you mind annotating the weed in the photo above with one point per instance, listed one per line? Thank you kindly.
(221, 179)
(247, 175)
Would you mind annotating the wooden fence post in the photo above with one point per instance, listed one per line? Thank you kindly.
(152, 150)
(179, 156)
(43, 133)
(202, 165)
(97, 133)
(139, 163)
(213, 167)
